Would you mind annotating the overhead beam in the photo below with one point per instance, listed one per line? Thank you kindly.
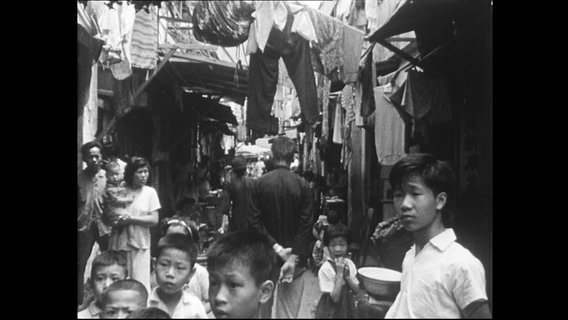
(400, 53)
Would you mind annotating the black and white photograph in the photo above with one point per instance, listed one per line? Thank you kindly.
(285, 159)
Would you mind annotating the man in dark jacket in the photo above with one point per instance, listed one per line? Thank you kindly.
(282, 206)
(237, 195)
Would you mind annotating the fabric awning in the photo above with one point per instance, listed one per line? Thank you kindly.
(435, 22)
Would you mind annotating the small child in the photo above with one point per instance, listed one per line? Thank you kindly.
(320, 253)
(174, 261)
(337, 276)
(106, 269)
(149, 313)
(243, 269)
(116, 199)
(199, 279)
(123, 298)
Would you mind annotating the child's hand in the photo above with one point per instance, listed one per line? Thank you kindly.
(339, 265)
(346, 271)
(123, 220)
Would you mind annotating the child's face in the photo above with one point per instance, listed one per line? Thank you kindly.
(416, 204)
(114, 175)
(337, 247)
(122, 303)
(105, 276)
(173, 270)
(233, 292)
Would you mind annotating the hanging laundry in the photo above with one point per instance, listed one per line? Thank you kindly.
(389, 130)
(372, 14)
(368, 83)
(268, 14)
(224, 23)
(144, 45)
(329, 45)
(263, 76)
(357, 99)
(352, 47)
(303, 25)
(116, 29)
(324, 85)
(338, 123)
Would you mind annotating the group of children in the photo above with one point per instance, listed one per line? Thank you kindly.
(439, 278)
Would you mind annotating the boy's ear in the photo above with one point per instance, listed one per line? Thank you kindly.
(266, 291)
(441, 200)
(154, 263)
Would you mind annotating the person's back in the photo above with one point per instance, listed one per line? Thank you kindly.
(238, 192)
(282, 206)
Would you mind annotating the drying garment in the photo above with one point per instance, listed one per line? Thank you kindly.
(367, 81)
(263, 76)
(338, 123)
(352, 47)
(389, 130)
(144, 45)
(424, 98)
(268, 15)
(224, 23)
(329, 45)
(116, 28)
(303, 26)
(324, 85)
(372, 13)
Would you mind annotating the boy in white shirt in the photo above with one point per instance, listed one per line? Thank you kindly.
(440, 278)
(176, 255)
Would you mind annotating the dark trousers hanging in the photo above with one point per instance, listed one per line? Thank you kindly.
(263, 76)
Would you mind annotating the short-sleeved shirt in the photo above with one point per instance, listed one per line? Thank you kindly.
(440, 281)
(91, 312)
(145, 201)
(326, 275)
(189, 306)
(199, 284)
(91, 190)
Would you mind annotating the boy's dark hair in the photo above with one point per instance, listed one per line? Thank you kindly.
(249, 248)
(332, 217)
(180, 242)
(126, 284)
(437, 175)
(134, 164)
(149, 313)
(335, 231)
(107, 259)
(88, 146)
(283, 149)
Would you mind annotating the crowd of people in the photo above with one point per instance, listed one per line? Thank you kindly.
(273, 237)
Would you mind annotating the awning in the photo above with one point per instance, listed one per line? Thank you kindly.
(435, 22)
(210, 76)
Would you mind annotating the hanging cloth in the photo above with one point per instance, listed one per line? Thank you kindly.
(389, 130)
(144, 45)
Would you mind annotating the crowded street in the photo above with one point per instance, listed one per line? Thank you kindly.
(284, 159)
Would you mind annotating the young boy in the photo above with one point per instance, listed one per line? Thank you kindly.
(440, 278)
(199, 277)
(337, 277)
(123, 298)
(243, 270)
(106, 269)
(175, 258)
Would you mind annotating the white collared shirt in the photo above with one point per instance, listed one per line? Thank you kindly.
(440, 281)
(189, 306)
(91, 312)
